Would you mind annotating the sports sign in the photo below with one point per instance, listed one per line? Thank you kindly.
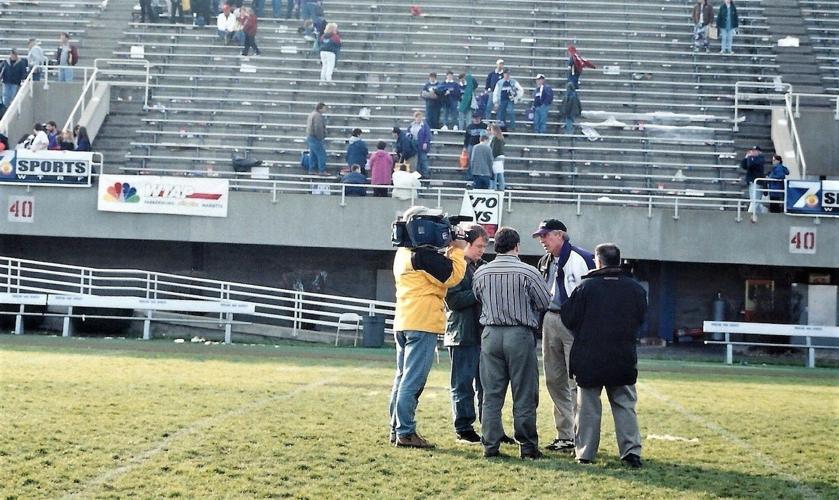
(813, 198)
(484, 205)
(150, 194)
(52, 168)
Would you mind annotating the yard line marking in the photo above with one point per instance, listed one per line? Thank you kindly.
(759, 456)
(197, 426)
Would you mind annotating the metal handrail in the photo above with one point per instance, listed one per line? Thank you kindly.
(13, 110)
(785, 88)
(793, 133)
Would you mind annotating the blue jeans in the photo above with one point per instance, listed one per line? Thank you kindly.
(726, 39)
(498, 183)
(540, 119)
(481, 181)
(276, 7)
(465, 385)
(432, 112)
(65, 74)
(258, 7)
(318, 154)
(463, 118)
(308, 10)
(9, 93)
(569, 125)
(575, 79)
(414, 355)
(450, 119)
(422, 164)
(507, 114)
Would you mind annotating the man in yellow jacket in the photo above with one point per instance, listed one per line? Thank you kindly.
(423, 275)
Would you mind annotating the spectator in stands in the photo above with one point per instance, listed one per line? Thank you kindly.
(480, 164)
(727, 22)
(315, 137)
(68, 142)
(432, 95)
(702, 16)
(467, 105)
(40, 141)
(146, 11)
(463, 339)
(473, 133)
(82, 139)
(176, 7)
(776, 195)
(258, 7)
(604, 314)
(576, 64)
(356, 149)
(753, 163)
(404, 147)
(249, 26)
(489, 86)
(380, 166)
(505, 96)
(497, 145)
(311, 9)
(563, 267)
(202, 13)
(330, 47)
(67, 55)
(52, 136)
(543, 97)
(451, 98)
(226, 24)
(12, 73)
(36, 59)
(420, 133)
(4, 143)
(355, 177)
(570, 108)
(405, 183)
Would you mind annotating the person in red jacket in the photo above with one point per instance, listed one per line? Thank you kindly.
(576, 64)
(248, 20)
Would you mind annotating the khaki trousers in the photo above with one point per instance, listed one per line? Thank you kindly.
(622, 399)
(556, 350)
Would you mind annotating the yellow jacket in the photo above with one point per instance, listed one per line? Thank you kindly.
(422, 279)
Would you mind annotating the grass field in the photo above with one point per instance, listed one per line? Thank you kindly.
(124, 418)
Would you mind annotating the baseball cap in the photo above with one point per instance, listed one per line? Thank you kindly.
(500, 61)
(540, 75)
(549, 225)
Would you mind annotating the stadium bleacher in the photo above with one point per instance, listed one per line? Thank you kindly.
(674, 105)
(822, 20)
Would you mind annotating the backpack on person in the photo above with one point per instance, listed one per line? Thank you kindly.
(306, 160)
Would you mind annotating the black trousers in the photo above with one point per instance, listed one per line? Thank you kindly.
(146, 11)
(178, 7)
(250, 41)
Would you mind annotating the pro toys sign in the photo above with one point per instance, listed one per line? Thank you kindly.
(50, 168)
(148, 194)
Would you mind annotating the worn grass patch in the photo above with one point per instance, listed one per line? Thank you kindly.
(100, 418)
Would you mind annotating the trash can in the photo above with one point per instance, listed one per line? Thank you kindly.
(374, 331)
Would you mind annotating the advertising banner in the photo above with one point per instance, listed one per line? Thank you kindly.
(815, 198)
(485, 206)
(55, 168)
(150, 194)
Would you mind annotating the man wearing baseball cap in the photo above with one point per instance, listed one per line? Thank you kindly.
(563, 267)
(489, 87)
(543, 96)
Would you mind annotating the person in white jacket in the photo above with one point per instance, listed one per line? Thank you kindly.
(506, 94)
(40, 142)
(405, 183)
(226, 24)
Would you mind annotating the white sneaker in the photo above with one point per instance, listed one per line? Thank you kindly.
(455, 128)
(444, 127)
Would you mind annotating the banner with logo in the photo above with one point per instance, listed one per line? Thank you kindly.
(813, 198)
(150, 194)
(484, 205)
(55, 168)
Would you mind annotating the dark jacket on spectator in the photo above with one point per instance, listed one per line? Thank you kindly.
(473, 132)
(570, 106)
(546, 98)
(754, 167)
(13, 72)
(723, 13)
(357, 152)
(249, 24)
(355, 178)
(492, 79)
(423, 138)
(331, 43)
(466, 92)
(604, 313)
(451, 91)
(405, 147)
(708, 14)
(83, 145)
(780, 172)
(463, 311)
(316, 125)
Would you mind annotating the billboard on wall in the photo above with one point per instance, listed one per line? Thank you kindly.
(151, 194)
(55, 168)
(816, 198)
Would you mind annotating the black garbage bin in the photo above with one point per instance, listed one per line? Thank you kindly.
(374, 331)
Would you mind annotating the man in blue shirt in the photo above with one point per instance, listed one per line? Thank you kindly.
(432, 95)
(355, 177)
(543, 97)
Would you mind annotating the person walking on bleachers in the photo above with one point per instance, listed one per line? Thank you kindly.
(472, 134)
(467, 105)
(420, 133)
(480, 164)
(249, 26)
(329, 46)
(702, 16)
(36, 60)
(543, 97)
(727, 23)
(576, 65)
(489, 86)
(12, 72)
(570, 108)
(753, 163)
(356, 149)
(380, 166)
(780, 172)
(315, 137)
(431, 93)
(496, 136)
(451, 98)
(176, 6)
(357, 178)
(404, 147)
(505, 96)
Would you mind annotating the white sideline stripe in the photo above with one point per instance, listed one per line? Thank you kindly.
(760, 457)
(199, 425)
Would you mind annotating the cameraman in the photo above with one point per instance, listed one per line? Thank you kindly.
(423, 276)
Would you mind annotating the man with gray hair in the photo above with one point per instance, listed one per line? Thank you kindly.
(36, 58)
(513, 296)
